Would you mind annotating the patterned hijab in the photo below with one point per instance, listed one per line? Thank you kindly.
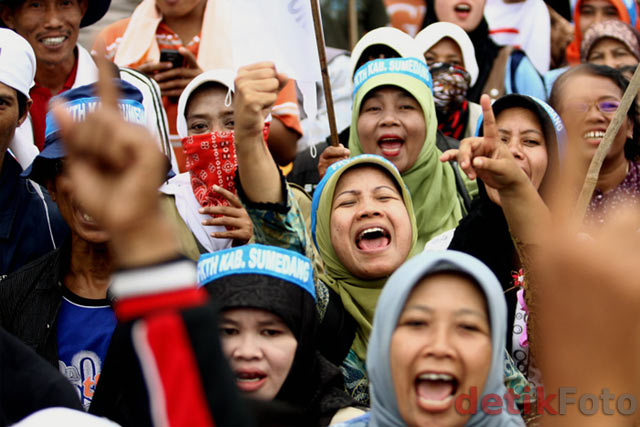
(612, 29)
(627, 12)
(384, 407)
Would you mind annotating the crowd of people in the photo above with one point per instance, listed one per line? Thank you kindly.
(182, 245)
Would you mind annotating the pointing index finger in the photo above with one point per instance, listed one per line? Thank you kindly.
(107, 91)
(490, 132)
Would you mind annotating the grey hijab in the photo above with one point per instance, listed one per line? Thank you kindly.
(384, 408)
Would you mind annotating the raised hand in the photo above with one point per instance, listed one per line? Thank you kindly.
(257, 88)
(486, 157)
(330, 156)
(586, 319)
(115, 169)
(235, 218)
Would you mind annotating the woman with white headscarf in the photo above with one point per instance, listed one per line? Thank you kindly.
(451, 58)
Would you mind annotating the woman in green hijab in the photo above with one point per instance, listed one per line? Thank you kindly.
(362, 223)
(394, 116)
(364, 227)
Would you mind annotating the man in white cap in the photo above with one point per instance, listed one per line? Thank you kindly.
(30, 224)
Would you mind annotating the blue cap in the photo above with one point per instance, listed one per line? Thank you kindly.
(271, 261)
(550, 120)
(79, 102)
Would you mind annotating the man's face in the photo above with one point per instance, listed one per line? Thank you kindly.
(9, 115)
(50, 26)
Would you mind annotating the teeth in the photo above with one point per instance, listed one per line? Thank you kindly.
(463, 7)
(596, 134)
(371, 230)
(87, 217)
(248, 380)
(436, 377)
(51, 41)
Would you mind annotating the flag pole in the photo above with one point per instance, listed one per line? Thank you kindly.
(603, 149)
(326, 82)
(353, 24)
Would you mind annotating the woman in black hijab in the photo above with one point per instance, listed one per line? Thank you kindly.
(268, 326)
(533, 133)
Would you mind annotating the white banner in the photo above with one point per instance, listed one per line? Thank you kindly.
(280, 31)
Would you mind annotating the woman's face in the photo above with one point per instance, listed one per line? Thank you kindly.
(585, 122)
(206, 112)
(260, 348)
(370, 226)
(592, 11)
(467, 14)
(391, 124)
(446, 50)
(440, 349)
(520, 130)
(611, 52)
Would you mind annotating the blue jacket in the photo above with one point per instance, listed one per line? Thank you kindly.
(30, 224)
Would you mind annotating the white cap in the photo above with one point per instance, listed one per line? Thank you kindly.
(58, 417)
(394, 38)
(222, 76)
(17, 61)
(433, 33)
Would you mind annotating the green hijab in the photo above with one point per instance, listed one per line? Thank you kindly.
(431, 183)
(359, 296)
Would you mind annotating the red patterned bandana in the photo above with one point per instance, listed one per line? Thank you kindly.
(211, 160)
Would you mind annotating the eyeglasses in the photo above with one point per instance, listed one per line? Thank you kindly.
(605, 107)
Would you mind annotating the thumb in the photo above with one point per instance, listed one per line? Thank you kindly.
(283, 79)
(497, 167)
(192, 62)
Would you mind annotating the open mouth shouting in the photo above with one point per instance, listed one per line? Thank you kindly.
(249, 381)
(462, 10)
(390, 145)
(372, 239)
(436, 391)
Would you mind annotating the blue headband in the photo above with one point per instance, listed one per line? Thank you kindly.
(271, 261)
(131, 110)
(412, 67)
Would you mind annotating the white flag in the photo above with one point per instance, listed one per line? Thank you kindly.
(280, 31)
